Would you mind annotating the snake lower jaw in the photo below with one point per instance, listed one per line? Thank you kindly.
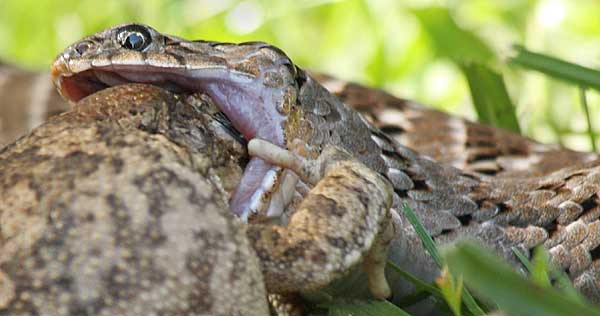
(267, 197)
(265, 189)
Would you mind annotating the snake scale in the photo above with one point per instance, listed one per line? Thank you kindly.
(463, 179)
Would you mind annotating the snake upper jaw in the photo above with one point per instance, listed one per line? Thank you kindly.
(249, 82)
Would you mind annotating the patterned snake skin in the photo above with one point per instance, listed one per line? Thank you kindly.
(542, 194)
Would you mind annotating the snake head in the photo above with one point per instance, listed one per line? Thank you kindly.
(253, 83)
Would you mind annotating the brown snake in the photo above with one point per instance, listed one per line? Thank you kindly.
(512, 192)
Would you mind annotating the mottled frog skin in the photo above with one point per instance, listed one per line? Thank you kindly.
(119, 207)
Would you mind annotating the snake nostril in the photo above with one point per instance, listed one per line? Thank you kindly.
(82, 47)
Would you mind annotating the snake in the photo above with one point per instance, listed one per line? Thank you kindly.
(494, 195)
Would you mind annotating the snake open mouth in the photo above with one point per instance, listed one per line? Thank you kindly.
(247, 102)
(87, 82)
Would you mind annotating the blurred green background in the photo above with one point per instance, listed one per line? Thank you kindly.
(410, 48)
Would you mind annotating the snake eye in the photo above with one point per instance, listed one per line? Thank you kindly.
(134, 37)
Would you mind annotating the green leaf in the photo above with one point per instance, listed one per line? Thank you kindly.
(540, 273)
(493, 278)
(556, 68)
(490, 97)
(370, 308)
(451, 290)
(450, 40)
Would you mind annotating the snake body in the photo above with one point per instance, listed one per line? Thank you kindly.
(500, 188)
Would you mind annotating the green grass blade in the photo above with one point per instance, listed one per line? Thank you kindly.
(523, 258)
(556, 68)
(420, 285)
(449, 39)
(495, 279)
(370, 308)
(566, 286)
(540, 274)
(586, 109)
(451, 290)
(429, 245)
(490, 97)
(471, 304)
(563, 281)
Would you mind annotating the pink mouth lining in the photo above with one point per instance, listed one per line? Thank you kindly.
(250, 106)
